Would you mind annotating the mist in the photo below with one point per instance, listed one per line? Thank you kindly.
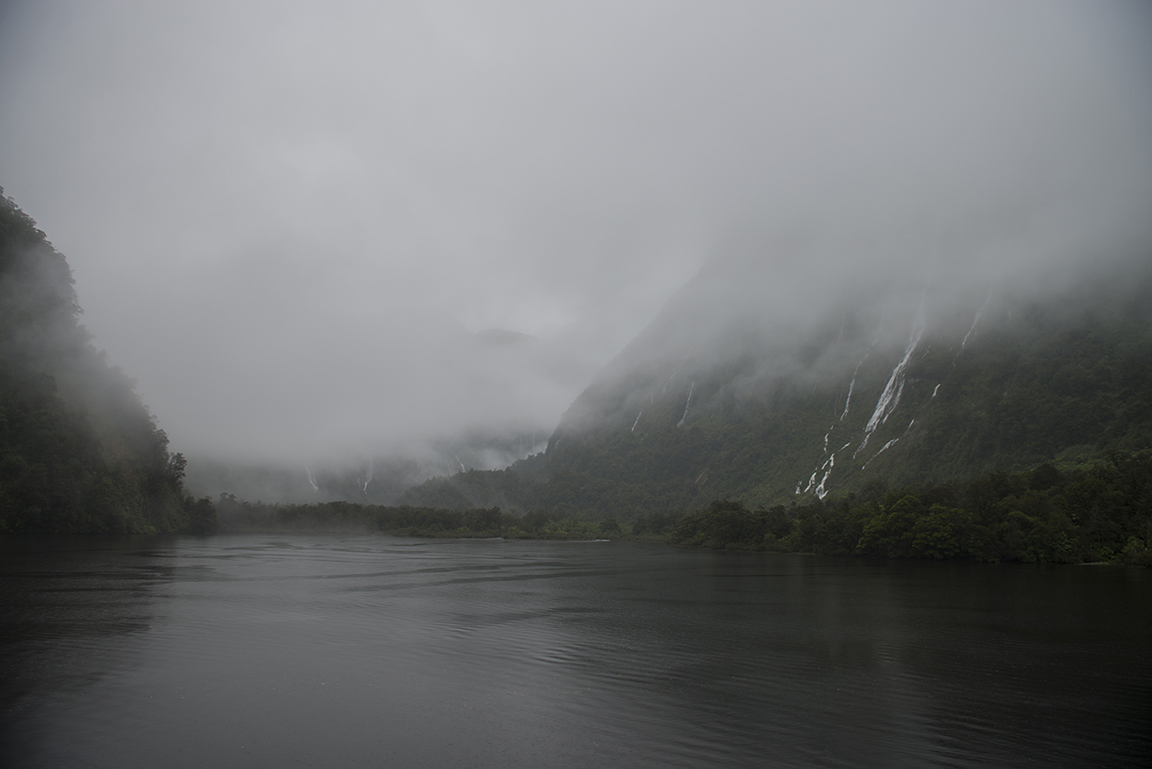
(308, 230)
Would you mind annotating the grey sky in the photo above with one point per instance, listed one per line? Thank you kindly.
(285, 218)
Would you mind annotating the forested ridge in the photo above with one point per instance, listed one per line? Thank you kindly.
(79, 452)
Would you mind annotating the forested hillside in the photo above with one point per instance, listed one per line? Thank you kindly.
(1096, 514)
(929, 393)
(79, 452)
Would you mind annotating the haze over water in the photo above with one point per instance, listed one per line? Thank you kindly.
(292, 222)
(274, 651)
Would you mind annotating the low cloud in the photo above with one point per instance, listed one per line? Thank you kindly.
(289, 221)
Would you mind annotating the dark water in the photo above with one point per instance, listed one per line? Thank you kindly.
(284, 651)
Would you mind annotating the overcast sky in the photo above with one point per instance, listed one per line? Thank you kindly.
(285, 219)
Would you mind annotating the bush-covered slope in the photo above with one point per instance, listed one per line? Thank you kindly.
(79, 452)
(998, 384)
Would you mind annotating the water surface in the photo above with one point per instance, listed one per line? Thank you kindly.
(296, 650)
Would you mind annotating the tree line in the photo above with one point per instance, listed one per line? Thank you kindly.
(1097, 513)
(238, 516)
(1044, 515)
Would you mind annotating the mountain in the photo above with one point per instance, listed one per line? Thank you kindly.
(786, 399)
(469, 401)
(79, 452)
(378, 480)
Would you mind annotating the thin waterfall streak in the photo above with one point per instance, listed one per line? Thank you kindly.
(688, 404)
(890, 396)
(976, 320)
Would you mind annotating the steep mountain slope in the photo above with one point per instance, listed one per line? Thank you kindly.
(726, 398)
(78, 450)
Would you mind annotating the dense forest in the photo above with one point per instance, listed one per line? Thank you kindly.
(79, 452)
(1101, 512)
(239, 516)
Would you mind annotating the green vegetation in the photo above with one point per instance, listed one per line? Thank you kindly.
(1098, 513)
(1065, 380)
(1049, 409)
(79, 452)
(238, 516)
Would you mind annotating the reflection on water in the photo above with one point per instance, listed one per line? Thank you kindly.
(369, 651)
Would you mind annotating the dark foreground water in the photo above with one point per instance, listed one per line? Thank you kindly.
(310, 651)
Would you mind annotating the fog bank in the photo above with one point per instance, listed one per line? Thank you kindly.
(294, 223)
